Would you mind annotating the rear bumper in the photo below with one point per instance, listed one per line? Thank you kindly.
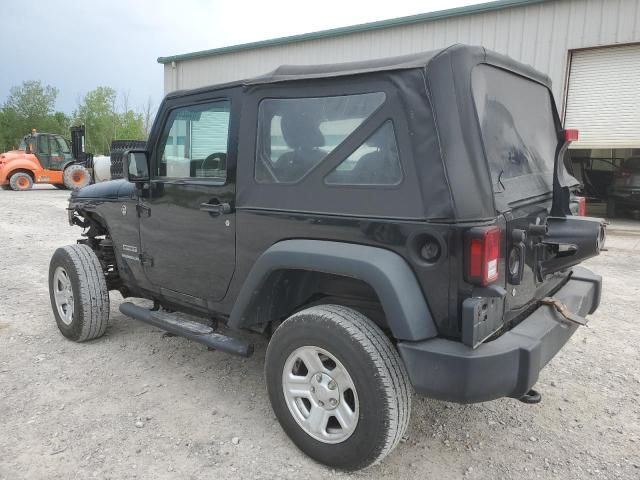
(506, 367)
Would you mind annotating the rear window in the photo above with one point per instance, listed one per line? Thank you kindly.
(518, 131)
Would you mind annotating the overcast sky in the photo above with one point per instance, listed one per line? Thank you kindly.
(78, 45)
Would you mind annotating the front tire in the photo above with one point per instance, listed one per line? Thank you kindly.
(78, 292)
(337, 386)
(76, 176)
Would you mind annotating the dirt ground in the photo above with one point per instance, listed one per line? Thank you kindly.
(137, 404)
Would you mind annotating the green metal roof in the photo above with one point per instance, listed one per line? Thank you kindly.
(363, 27)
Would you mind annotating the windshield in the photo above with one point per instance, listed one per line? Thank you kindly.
(518, 132)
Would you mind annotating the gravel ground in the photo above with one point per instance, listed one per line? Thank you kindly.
(137, 404)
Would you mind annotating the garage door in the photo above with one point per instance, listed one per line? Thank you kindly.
(603, 98)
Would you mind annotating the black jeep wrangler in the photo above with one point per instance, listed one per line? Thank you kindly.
(389, 225)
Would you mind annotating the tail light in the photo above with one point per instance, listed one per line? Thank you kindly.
(571, 135)
(483, 255)
(582, 206)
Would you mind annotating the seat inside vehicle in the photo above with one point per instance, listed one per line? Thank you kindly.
(302, 135)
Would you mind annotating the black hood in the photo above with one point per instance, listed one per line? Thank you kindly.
(105, 190)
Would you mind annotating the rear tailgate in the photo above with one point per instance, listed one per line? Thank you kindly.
(521, 133)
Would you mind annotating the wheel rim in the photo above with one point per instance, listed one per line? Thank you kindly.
(23, 182)
(77, 178)
(63, 294)
(320, 394)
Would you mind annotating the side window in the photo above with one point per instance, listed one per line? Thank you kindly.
(296, 134)
(375, 162)
(194, 142)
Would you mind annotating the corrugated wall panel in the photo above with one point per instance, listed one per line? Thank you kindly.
(603, 98)
(539, 34)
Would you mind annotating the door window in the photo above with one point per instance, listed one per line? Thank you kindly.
(55, 148)
(296, 134)
(195, 143)
(43, 145)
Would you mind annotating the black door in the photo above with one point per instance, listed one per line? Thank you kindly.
(187, 224)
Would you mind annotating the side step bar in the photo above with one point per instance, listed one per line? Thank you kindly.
(189, 329)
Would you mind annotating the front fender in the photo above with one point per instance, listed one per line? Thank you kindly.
(395, 284)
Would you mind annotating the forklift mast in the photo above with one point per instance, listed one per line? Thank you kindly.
(77, 147)
(77, 143)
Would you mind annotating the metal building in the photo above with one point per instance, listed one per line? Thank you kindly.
(589, 48)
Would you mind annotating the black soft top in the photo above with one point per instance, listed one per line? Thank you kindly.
(471, 55)
(434, 95)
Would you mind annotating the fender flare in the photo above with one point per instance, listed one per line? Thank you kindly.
(398, 290)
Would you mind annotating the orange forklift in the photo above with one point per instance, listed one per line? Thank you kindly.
(47, 158)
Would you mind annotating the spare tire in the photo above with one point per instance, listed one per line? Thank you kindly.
(76, 176)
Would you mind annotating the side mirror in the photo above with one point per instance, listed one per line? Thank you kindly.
(135, 165)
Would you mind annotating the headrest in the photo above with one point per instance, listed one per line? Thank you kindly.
(301, 131)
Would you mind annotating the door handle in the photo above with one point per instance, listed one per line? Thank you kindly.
(216, 209)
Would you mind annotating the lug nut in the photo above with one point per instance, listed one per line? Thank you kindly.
(332, 385)
(313, 389)
(319, 377)
(321, 403)
(333, 402)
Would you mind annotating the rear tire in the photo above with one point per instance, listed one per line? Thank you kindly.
(78, 292)
(76, 176)
(337, 386)
(21, 181)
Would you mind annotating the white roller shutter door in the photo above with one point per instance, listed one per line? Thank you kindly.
(603, 97)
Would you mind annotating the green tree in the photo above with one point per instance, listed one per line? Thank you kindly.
(32, 100)
(30, 105)
(11, 129)
(103, 124)
(96, 113)
(131, 126)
